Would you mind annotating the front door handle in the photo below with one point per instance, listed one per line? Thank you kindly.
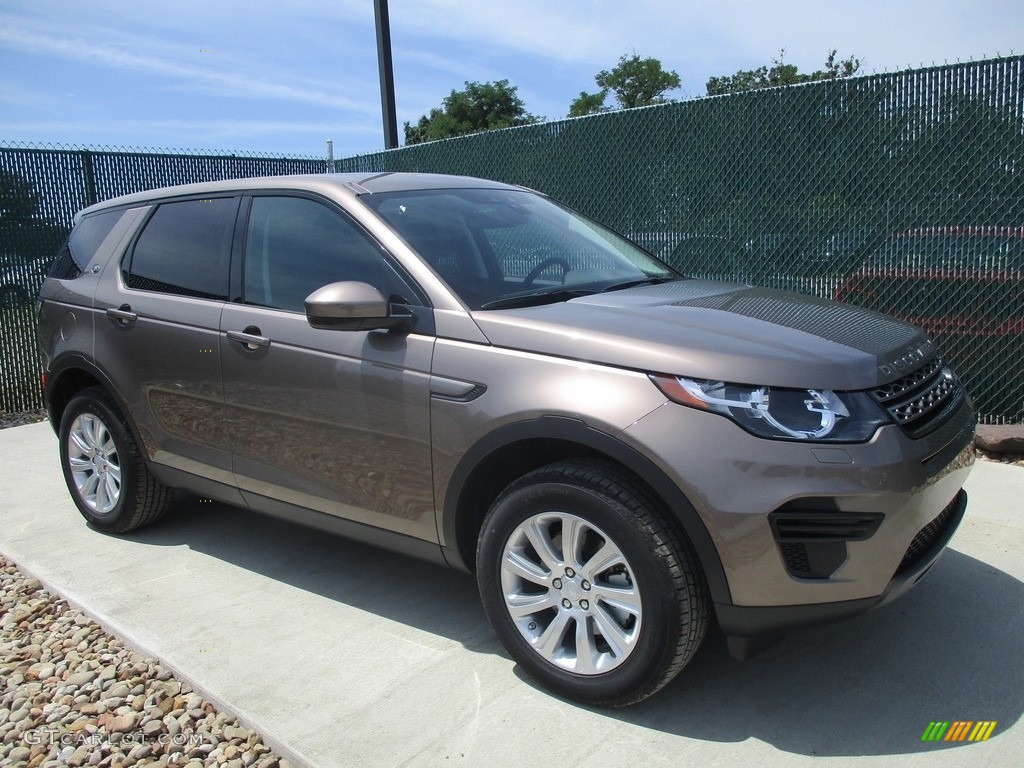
(250, 338)
(123, 314)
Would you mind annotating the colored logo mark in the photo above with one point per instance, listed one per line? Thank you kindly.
(958, 730)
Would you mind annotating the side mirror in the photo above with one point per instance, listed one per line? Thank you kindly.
(352, 306)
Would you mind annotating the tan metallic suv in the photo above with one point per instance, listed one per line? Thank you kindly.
(468, 372)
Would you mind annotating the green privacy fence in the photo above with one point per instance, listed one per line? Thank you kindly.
(903, 192)
(40, 191)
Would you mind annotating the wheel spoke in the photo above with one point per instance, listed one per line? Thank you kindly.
(551, 639)
(520, 606)
(538, 536)
(79, 464)
(112, 489)
(77, 441)
(586, 648)
(101, 494)
(88, 486)
(625, 598)
(516, 563)
(614, 635)
(88, 428)
(103, 441)
(574, 530)
(608, 556)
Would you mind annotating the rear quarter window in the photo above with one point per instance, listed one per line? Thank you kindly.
(185, 249)
(82, 244)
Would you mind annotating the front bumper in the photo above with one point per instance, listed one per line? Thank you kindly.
(910, 489)
(747, 627)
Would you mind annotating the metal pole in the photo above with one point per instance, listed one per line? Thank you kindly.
(387, 74)
(330, 156)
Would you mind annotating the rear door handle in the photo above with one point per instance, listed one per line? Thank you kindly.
(123, 314)
(250, 338)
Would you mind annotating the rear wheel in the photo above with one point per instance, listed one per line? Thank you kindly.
(103, 467)
(587, 586)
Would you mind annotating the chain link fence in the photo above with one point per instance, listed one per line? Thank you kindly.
(41, 189)
(903, 192)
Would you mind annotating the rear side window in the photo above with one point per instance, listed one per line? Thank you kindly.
(82, 244)
(185, 249)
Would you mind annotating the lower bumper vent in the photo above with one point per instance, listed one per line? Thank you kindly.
(813, 542)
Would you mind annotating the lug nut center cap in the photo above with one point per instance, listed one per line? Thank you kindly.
(571, 590)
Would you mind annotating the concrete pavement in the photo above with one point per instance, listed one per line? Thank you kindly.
(340, 654)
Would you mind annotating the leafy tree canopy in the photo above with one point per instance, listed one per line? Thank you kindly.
(634, 82)
(781, 73)
(478, 107)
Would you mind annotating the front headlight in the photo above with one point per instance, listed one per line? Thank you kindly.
(786, 414)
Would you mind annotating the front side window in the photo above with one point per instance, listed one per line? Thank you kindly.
(185, 249)
(295, 245)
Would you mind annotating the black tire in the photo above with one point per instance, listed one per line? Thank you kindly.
(657, 636)
(96, 444)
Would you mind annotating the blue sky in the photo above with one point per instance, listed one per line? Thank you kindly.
(283, 77)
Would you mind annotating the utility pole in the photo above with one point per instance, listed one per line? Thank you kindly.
(387, 73)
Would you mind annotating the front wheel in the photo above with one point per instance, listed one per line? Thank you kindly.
(587, 586)
(103, 467)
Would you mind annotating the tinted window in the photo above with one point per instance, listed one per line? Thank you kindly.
(82, 244)
(494, 244)
(295, 245)
(185, 249)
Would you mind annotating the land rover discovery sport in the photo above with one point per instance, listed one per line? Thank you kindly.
(471, 373)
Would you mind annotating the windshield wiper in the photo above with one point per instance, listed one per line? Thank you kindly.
(535, 299)
(641, 281)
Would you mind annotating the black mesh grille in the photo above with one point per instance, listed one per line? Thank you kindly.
(926, 537)
(908, 383)
(794, 555)
(922, 401)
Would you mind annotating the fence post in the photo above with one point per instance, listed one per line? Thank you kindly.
(90, 178)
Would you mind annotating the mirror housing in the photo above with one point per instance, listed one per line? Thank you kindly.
(352, 306)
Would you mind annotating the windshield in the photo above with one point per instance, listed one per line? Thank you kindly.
(491, 245)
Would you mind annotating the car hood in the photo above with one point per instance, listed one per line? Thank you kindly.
(720, 331)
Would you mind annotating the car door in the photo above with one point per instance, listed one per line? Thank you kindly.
(157, 333)
(330, 420)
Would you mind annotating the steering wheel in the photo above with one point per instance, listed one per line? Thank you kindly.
(550, 261)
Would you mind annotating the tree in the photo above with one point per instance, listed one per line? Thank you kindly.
(781, 73)
(478, 107)
(588, 104)
(634, 82)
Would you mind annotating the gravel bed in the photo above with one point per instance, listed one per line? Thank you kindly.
(72, 694)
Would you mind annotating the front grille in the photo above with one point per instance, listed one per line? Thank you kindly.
(926, 538)
(921, 401)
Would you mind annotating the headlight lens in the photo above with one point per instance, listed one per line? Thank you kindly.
(786, 414)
